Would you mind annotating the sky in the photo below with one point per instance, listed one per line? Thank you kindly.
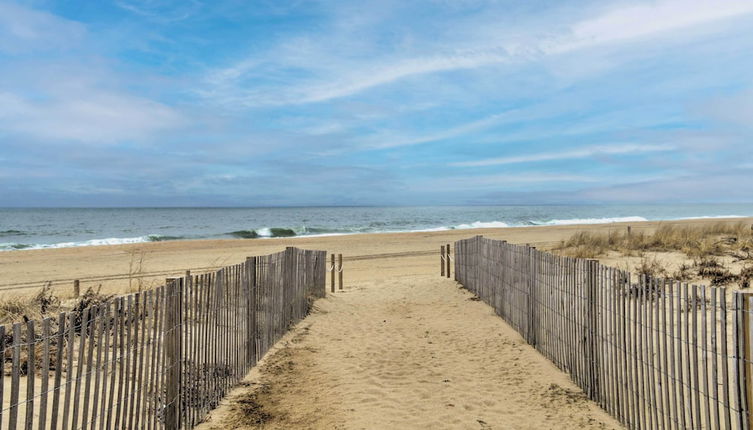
(280, 103)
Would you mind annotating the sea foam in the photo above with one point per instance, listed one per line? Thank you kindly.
(482, 224)
(594, 220)
(92, 242)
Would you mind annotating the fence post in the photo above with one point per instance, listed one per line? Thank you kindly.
(476, 262)
(289, 284)
(441, 261)
(332, 273)
(340, 270)
(745, 348)
(76, 288)
(250, 290)
(532, 297)
(172, 340)
(447, 259)
(456, 245)
(592, 290)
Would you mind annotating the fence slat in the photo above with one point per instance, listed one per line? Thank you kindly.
(31, 370)
(107, 327)
(89, 331)
(725, 365)
(101, 323)
(15, 376)
(2, 380)
(60, 353)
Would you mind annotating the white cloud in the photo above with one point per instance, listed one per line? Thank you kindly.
(641, 20)
(567, 155)
(23, 30)
(95, 116)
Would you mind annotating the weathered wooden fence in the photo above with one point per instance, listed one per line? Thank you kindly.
(655, 354)
(156, 359)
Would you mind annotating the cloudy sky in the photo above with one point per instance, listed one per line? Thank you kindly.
(271, 102)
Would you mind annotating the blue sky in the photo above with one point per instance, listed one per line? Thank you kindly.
(246, 103)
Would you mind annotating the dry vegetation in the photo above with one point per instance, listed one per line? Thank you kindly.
(721, 253)
(46, 304)
(39, 305)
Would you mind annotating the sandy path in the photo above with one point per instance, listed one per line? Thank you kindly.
(406, 352)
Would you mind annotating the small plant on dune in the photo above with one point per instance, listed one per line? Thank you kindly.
(90, 298)
(651, 267)
(746, 276)
(17, 308)
(683, 273)
(712, 269)
(708, 266)
(45, 300)
(13, 309)
(743, 251)
(136, 268)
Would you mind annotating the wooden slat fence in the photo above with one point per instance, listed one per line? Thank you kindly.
(654, 353)
(158, 359)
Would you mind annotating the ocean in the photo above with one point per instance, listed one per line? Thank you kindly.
(67, 227)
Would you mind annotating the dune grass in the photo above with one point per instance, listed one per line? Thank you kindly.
(718, 239)
(46, 304)
(706, 247)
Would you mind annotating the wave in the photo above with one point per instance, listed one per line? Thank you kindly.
(13, 246)
(162, 238)
(264, 232)
(399, 226)
(13, 233)
(244, 234)
(592, 220)
(481, 224)
(91, 242)
(715, 217)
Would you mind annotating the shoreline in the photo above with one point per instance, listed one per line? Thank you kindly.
(476, 225)
(413, 253)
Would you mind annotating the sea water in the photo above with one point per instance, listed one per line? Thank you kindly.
(66, 227)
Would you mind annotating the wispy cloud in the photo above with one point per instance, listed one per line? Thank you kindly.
(94, 116)
(342, 77)
(644, 19)
(161, 10)
(24, 30)
(587, 152)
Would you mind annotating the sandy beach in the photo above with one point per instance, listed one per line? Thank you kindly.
(118, 268)
(400, 347)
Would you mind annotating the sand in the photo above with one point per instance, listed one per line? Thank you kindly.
(400, 347)
(409, 352)
(144, 265)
